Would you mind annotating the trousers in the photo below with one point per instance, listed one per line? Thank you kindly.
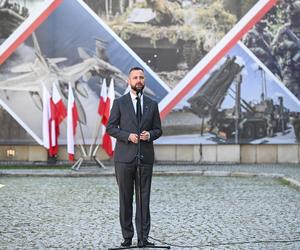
(127, 180)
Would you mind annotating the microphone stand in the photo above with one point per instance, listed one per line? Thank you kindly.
(139, 189)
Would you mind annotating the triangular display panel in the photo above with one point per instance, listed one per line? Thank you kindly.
(18, 19)
(239, 101)
(172, 36)
(71, 46)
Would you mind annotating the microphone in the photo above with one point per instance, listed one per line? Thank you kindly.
(139, 92)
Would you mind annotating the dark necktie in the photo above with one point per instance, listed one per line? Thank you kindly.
(138, 108)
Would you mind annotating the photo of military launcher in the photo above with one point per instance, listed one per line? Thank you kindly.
(243, 122)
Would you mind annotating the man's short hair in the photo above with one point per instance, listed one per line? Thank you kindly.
(136, 68)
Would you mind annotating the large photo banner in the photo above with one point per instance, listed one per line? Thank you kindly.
(238, 101)
(72, 47)
(223, 71)
(238, 93)
(171, 36)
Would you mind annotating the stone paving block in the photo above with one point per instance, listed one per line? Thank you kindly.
(243, 174)
(292, 182)
(270, 175)
(185, 153)
(196, 154)
(178, 173)
(165, 153)
(3, 152)
(209, 153)
(36, 153)
(266, 153)
(248, 153)
(288, 153)
(228, 153)
(217, 173)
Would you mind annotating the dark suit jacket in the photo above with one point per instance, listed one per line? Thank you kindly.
(123, 121)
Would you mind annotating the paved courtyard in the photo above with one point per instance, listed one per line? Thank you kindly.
(197, 211)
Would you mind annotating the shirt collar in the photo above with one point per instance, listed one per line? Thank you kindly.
(133, 97)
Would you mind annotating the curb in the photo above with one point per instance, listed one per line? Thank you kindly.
(207, 173)
(291, 182)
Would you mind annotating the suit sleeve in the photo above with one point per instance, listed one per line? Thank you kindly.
(156, 130)
(113, 125)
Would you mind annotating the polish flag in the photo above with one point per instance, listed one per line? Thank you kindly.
(108, 142)
(46, 117)
(53, 147)
(72, 120)
(60, 108)
(109, 101)
(102, 101)
(58, 114)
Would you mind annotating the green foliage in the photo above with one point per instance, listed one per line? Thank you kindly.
(205, 26)
(239, 7)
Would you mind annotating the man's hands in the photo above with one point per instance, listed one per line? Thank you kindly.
(133, 138)
(144, 136)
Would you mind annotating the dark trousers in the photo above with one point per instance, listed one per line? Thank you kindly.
(127, 179)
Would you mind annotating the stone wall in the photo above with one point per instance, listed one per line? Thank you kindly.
(191, 154)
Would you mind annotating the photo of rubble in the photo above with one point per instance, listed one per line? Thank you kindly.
(13, 13)
(171, 36)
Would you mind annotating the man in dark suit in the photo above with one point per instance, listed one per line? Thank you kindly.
(123, 125)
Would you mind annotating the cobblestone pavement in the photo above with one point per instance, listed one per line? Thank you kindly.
(289, 170)
(207, 212)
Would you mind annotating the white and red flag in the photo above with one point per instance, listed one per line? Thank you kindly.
(46, 117)
(102, 101)
(108, 142)
(58, 114)
(72, 120)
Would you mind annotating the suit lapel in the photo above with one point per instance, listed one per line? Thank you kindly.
(130, 108)
(146, 108)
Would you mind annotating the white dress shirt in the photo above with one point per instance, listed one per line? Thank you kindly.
(133, 99)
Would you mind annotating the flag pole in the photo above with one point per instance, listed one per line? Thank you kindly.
(89, 156)
(83, 140)
(101, 110)
(78, 163)
(92, 153)
(96, 134)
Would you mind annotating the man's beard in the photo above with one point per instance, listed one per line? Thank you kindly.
(137, 88)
